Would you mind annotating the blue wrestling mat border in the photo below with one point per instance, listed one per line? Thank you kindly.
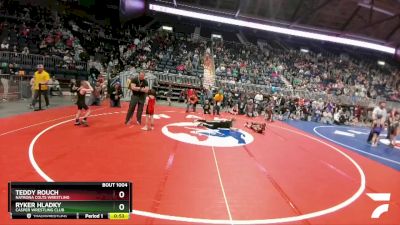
(354, 139)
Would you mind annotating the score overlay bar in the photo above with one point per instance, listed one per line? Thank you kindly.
(70, 200)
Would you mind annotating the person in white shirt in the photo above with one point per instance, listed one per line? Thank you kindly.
(147, 48)
(136, 41)
(327, 117)
(25, 51)
(68, 58)
(4, 45)
(54, 85)
(32, 84)
(258, 99)
(337, 117)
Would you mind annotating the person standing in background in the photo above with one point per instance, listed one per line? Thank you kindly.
(41, 79)
(209, 94)
(206, 107)
(168, 93)
(183, 96)
(394, 128)
(96, 94)
(257, 100)
(391, 120)
(73, 88)
(192, 100)
(32, 84)
(55, 87)
(116, 95)
(379, 115)
(5, 80)
(94, 74)
(218, 98)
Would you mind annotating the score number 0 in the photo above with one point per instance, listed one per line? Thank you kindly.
(121, 194)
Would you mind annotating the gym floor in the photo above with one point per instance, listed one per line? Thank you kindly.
(295, 173)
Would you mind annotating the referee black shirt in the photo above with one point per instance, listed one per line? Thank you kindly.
(139, 83)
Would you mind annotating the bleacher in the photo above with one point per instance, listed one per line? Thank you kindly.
(26, 65)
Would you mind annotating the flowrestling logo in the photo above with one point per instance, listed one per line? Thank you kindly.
(190, 133)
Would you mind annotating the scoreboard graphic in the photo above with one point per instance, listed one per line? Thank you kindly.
(70, 200)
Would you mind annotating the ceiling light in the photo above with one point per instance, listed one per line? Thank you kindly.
(216, 36)
(281, 30)
(304, 50)
(168, 28)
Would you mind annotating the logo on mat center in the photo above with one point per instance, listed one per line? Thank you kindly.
(190, 133)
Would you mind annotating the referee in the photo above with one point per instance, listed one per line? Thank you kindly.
(139, 88)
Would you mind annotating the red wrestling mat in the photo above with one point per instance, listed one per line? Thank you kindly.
(183, 174)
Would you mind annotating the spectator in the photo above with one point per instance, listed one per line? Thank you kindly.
(218, 98)
(192, 100)
(258, 99)
(5, 80)
(327, 117)
(379, 115)
(116, 95)
(168, 94)
(5, 45)
(54, 86)
(41, 78)
(32, 85)
(206, 107)
(338, 117)
(25, 51)
(183, 96)
(96, 94)
(391, 122)
(73, 87)
(94, 74)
